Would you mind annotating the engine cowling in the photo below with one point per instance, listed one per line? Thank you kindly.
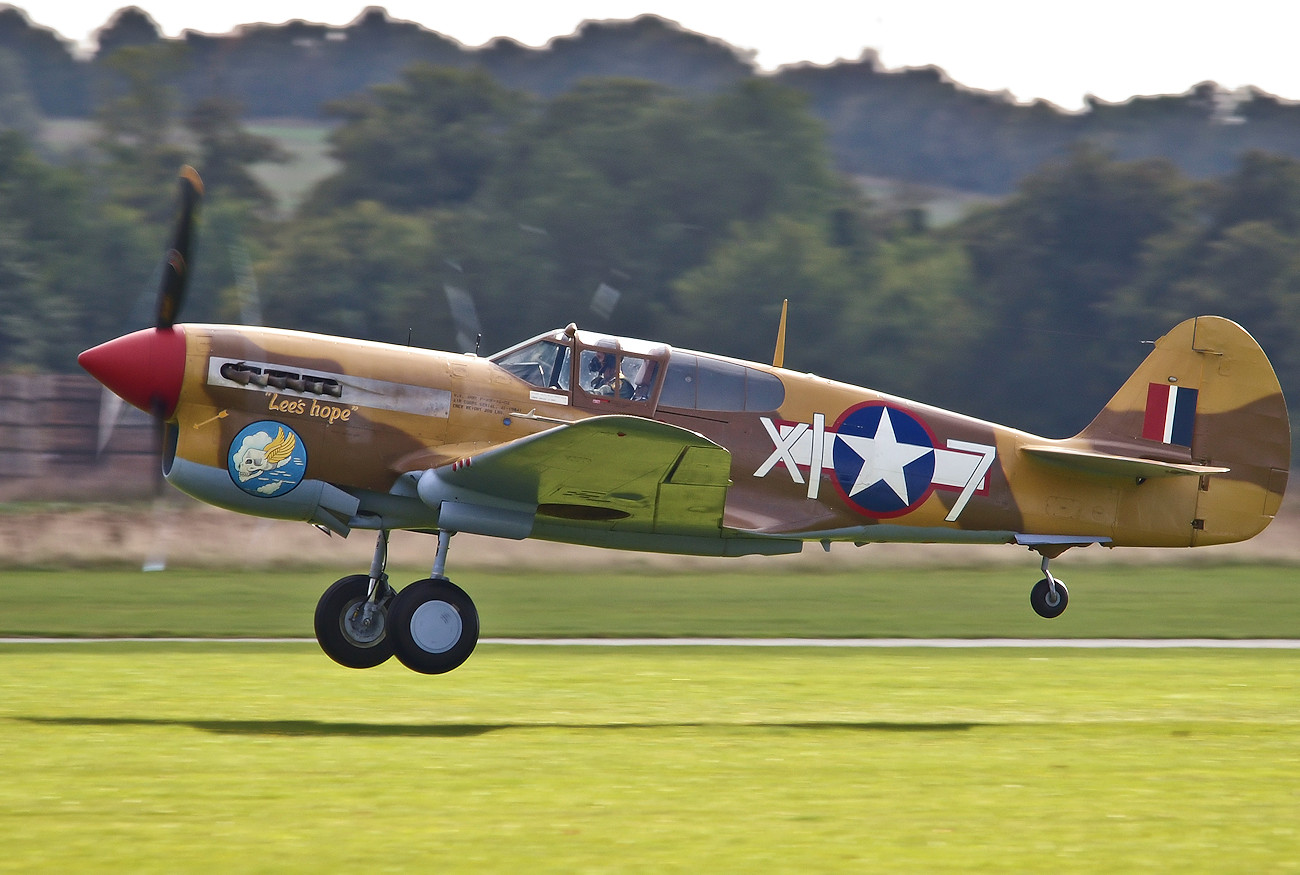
(262, 478)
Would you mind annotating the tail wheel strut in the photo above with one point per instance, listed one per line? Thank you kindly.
(1049, 596)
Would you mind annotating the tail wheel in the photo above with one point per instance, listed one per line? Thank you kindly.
(1046, 602)
(433, 625)
(352, 632)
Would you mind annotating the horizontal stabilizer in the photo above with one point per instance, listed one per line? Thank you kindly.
(1108, 465)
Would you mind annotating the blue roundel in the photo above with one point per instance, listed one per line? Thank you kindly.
(884, 460)
(267, 459)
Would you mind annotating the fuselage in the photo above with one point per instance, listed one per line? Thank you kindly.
(336, 431)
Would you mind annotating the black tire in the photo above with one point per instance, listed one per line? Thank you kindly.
(343, 644)
(1040, 597)
(433, 625)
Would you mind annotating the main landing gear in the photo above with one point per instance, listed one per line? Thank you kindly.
(431, 625)
(1049, 596)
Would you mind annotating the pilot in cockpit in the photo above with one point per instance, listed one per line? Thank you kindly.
(608, 379)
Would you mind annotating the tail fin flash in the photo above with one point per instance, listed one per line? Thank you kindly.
(1205, 396)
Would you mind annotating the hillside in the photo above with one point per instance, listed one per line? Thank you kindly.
(914, 125)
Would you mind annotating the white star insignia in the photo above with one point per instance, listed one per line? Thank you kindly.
(884, 458)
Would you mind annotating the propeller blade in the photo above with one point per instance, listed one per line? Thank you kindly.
(176, 264)
(110, 411)
(250, 299)
(161, 523)
(464, 316)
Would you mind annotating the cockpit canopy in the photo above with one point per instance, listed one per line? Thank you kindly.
(637, 374)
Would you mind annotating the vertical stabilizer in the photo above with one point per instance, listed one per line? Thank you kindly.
(1206, 395)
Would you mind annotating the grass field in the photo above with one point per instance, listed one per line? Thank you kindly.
(307, 146)
(267, 758)
(254, 757)
(1227, 601)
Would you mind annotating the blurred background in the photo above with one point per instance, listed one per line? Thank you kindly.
(379, 180)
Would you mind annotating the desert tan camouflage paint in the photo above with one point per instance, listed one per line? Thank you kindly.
(832, 462)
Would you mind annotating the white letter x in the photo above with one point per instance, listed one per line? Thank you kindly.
(784, 444)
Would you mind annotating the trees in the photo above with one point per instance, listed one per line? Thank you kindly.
(141, 148)
(430, 139)
(703, 211)
(619, 182)
(66, 275)
(18, 111)
(632, 185)
(25, 322)
(1048, 266)
(1236, 256)
(226, 150)
(135, 124)
(726, 302)
(358, 270)
(45, 68)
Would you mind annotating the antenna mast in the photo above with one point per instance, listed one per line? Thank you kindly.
(778, 358)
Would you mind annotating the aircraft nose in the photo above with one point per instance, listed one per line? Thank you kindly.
(144, 369)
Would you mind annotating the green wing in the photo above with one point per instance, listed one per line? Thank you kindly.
(617, 472)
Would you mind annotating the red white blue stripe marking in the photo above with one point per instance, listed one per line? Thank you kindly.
(1170, 415)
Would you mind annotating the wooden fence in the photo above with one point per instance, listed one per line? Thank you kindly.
(50, 436)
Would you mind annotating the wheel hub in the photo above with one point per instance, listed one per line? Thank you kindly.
(363, 623)
(436, 626)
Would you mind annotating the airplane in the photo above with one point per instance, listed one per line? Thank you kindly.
(588, 438)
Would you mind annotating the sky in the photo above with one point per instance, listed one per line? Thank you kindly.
(1057, 50)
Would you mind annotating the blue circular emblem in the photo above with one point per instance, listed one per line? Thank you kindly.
(884, 460)
(267, 459)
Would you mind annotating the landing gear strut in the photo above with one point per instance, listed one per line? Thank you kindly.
(1049, 596)
(352, 615)
(432, 622)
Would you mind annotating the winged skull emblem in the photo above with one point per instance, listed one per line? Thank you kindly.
(261, 453)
